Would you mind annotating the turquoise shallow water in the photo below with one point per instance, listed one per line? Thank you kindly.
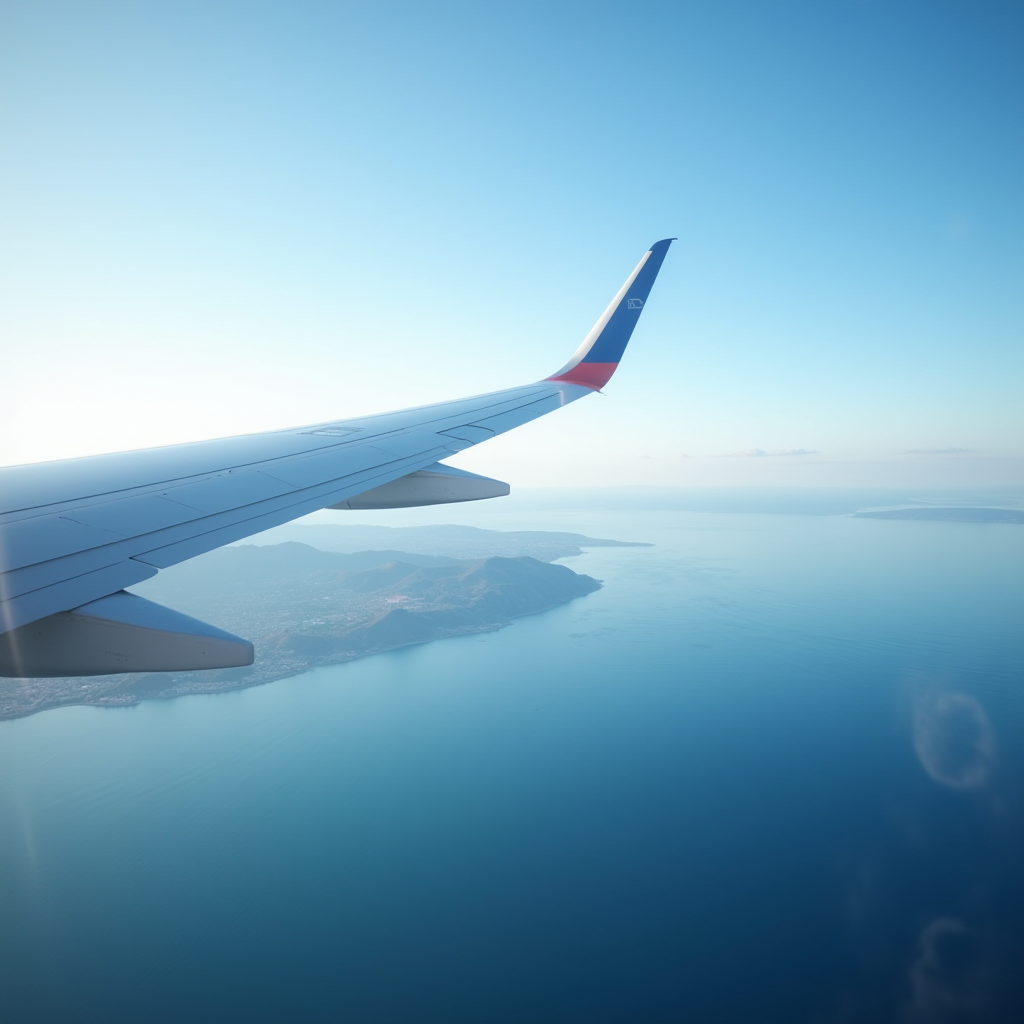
(772, 771)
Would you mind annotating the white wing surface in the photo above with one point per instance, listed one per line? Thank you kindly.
(74, 534)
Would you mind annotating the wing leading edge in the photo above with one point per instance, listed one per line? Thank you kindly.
(76, 532)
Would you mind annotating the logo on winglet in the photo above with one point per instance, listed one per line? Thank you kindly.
(634, 303)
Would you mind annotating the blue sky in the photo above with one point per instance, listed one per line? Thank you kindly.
(235, 217)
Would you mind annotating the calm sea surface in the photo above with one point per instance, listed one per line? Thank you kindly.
(773, 771)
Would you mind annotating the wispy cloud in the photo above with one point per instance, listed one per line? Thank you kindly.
(953, 739)
(941, 451)
(760, 453)
(950, 978)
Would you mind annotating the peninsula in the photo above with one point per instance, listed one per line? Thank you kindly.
(304, 607)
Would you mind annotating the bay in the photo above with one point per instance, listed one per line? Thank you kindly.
(772, 771)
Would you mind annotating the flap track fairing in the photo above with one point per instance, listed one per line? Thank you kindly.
(436, 485)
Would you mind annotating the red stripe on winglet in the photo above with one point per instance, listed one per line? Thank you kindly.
(590, 375)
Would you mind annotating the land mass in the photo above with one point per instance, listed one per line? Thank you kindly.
(948, 515)
(447, 541)
(303, 607)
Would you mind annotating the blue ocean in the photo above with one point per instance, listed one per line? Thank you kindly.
(772, 771)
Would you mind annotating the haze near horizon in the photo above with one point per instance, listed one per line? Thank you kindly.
(231, 219)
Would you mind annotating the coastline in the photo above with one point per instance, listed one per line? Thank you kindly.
(131, 700)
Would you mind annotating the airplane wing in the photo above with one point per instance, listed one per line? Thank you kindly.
(75, 533)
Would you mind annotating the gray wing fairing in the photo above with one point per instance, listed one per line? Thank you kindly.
(119, 633)
(74, 534)
(436, 485)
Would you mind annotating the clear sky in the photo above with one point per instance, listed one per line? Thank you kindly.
(222, 218)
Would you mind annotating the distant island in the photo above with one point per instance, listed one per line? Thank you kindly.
(304, 607)
(948, 515)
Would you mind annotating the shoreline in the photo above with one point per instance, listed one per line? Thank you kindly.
(247, 684)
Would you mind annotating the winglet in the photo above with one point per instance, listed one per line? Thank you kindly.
(594, 362)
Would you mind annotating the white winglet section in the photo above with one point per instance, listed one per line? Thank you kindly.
(436, 485)
(119, 633)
